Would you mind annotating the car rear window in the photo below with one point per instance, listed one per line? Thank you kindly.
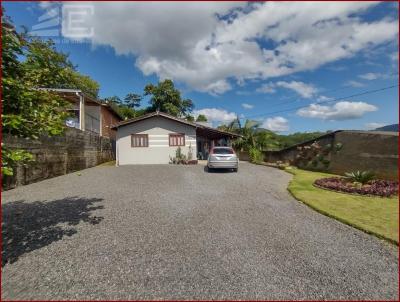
(223, 151)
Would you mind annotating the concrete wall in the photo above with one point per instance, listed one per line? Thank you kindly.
(361, 150)
(366, 150)
(158, 152)
(58, 155)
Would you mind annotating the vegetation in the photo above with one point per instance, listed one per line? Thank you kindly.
(166, 98)
(360, 176)
(256, 156)
(255, 137)
(45, 67)
(378, 187)
(289, 140)
(29, 112)
(201, 118)
(375, 215)
(132, 100)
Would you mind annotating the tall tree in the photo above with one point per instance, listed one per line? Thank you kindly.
(27, 112)
(166, 98)
(249, 137)
(46, 67)
(132, 100)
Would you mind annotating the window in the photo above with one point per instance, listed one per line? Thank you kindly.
(176, 140)
(139, 140)
(220, 150)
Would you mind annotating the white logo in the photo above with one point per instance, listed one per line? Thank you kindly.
(69, 22)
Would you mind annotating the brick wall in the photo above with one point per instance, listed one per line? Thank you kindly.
(58, 155)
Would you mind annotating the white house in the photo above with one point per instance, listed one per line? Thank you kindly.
(154, 138)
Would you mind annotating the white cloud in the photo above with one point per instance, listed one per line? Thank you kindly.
(340, 111)
(370, 76)
(372, 126)
(247, 106)
(216, 115)
(301, 88)
(354, 84)
(305, 90)
(267, 88)
(192, 44)
(323, 98)
(277, 124)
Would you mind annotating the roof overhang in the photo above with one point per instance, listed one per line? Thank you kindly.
(73, 96)
(200, 129)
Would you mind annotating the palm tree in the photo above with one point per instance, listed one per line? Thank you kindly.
(249, 136)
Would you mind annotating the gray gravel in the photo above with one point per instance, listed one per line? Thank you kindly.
(177, 232)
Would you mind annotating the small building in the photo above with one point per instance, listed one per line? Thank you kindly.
(88, 113)
(154, 138)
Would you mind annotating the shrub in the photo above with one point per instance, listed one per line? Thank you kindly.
(255, 155)
(379, 187)
(338, 147)
(360, 176)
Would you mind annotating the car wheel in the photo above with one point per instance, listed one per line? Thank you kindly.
(209, 170)
(236, 169)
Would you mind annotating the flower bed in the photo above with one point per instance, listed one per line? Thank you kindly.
(378, 187)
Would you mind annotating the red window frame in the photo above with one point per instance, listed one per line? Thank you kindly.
(139, 140)
(176, 139)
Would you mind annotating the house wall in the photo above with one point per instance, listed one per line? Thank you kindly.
(107, 120)
(158, 152)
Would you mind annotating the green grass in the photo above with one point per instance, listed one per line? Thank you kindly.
(108, 163)
(374, 215)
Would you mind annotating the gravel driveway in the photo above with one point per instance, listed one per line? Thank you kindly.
(177, 232)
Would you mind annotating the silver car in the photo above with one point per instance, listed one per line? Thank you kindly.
(222, 158)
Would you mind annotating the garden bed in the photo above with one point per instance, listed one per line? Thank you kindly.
(378, 187)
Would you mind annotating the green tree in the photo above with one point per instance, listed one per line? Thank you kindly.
(234, 126)
(46, 67)
(249, 136)
(27, 112)
(123, 110)
(201, 118)
(166, 98)
(132, 100)
(190, 118)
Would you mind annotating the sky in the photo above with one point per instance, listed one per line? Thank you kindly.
(294, 67)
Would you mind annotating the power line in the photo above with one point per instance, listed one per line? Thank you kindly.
(305, 106)
(296, 98)
(328, 101)
(322, 102)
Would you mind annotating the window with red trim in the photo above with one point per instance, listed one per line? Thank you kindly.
(139, 140)
(177, 139)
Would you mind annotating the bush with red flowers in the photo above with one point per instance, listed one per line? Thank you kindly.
(378, 187)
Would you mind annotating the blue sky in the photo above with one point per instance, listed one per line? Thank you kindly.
(258, 61)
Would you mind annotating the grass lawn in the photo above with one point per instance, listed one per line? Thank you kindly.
(375, 215)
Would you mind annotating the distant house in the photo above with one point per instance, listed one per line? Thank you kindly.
(154, 138)
(89, 114)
